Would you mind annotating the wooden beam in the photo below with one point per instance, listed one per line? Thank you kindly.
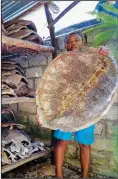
(63, 13)
(52, 34)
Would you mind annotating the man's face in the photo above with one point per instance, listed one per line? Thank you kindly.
(74, 42)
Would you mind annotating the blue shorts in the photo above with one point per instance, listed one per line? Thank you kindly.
(84, 136)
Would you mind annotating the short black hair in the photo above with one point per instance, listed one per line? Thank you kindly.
(80, 34)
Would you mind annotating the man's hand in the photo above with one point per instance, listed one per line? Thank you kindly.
(37, 118)
(103, 51)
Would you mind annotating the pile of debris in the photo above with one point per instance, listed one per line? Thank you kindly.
(16, 144)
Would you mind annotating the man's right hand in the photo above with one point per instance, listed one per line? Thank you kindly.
(37, 118)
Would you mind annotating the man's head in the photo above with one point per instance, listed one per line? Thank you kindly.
(74, 42)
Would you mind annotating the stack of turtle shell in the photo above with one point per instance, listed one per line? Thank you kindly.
(14, 83)
(19, 41)
(22, 29)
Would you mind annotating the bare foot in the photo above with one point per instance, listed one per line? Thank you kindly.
(59, 176)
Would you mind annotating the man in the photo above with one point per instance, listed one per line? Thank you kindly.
(74, 43)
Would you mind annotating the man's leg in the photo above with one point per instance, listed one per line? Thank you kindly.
(60, 148)
(85, 155)
(85, 138)
(53, 143)
(59, 157)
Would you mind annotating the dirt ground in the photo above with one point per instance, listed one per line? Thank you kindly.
(42, 168)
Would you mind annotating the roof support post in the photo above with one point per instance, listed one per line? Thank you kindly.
(54, 44)
(52, 34)
(63, 13)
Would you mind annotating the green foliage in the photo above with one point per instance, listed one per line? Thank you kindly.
(110, 7)
(104, 36)
(103, 26)
(108, 29)
(107, 18)
(116, 143)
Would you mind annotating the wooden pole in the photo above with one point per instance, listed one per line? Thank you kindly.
(52, 34)
(63, 13)
(54, 54)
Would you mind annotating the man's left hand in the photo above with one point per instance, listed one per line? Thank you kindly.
(103, 51)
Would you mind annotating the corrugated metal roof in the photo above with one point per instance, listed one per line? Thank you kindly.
(12, 9)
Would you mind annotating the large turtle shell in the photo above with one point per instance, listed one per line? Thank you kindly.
(76, 90)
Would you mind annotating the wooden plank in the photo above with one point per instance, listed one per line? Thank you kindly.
(51, 30)
(63, 13)
(12, 166)
(18, 100)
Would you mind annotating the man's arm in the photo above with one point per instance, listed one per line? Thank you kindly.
(37, 118)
